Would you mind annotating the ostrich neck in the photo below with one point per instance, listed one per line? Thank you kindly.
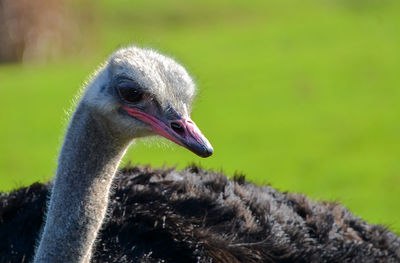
(87, 164)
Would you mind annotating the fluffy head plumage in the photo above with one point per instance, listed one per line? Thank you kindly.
(162, 93)
(158, 75)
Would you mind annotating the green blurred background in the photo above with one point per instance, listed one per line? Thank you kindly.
(301, 94)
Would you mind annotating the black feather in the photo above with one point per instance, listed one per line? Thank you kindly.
(195, 215)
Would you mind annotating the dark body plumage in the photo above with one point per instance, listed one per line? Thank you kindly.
(195, 215)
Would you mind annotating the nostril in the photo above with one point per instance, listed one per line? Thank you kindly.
(177, 127)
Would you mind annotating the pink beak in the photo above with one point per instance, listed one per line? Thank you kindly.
(183, 132)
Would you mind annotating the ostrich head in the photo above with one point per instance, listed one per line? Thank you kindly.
(139, 92)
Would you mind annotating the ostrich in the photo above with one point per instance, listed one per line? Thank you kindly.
(137, 93)
(165, 215)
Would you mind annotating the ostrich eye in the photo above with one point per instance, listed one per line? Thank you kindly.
(130, 94)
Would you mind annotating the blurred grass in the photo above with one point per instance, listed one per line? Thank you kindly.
(300, 94)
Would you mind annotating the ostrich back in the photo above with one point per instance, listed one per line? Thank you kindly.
(195, 215)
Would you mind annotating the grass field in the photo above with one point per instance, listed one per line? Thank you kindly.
(300, 94)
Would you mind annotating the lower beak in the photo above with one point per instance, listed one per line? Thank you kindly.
(181, 131)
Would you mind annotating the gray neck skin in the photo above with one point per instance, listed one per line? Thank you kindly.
(87, 164)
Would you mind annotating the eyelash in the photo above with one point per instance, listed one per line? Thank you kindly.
(130, 94)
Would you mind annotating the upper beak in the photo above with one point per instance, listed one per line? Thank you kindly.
(182, 131)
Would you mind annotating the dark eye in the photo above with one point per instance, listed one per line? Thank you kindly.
(130, 94)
